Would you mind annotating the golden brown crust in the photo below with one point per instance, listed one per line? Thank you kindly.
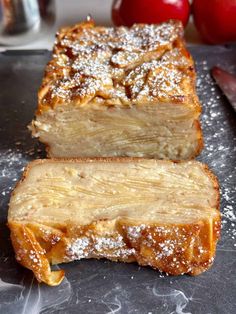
(171, 248)
(143, 64)
(174, 249)
(30, 254)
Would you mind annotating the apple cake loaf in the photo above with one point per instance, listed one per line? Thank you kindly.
(117, 91)
(159, 213)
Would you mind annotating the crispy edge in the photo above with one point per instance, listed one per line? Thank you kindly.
(178, 42)
(185, 257)
(31, 255)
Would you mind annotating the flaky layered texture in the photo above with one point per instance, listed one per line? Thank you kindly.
(157, 213)
(119, 92)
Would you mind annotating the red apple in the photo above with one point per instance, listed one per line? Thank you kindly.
(215, 20)
(128, 12)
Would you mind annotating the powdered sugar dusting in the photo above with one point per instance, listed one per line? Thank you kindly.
(220, 146)
(12, 163)
(122, 65)
(97, 246)
(79, 248)
(135, 231)
(12, 159)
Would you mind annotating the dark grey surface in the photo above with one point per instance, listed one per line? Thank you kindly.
(93, 286)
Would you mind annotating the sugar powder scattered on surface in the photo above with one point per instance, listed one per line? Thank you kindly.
(220, 147)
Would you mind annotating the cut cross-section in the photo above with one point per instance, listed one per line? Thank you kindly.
(158, 213)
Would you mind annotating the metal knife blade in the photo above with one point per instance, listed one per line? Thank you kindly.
(227, 83)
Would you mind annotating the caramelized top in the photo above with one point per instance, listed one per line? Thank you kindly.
(119, 66)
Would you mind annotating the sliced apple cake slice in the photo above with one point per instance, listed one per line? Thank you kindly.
(158, 213)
